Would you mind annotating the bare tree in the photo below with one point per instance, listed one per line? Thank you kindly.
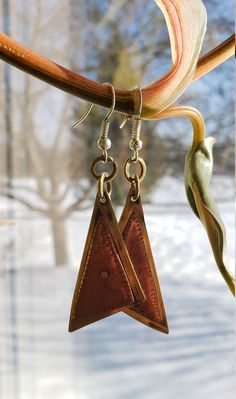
(54, 174)
(47, 174)
(53, 159)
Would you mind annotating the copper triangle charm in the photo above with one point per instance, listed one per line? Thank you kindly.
(107, 281)
(132, 225)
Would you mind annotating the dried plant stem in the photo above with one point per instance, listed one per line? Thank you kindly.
(79, 86)
(189, 112)
(215, 57)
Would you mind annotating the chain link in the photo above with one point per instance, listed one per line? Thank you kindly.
(102, 190)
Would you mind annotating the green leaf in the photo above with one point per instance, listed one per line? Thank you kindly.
(198, 174)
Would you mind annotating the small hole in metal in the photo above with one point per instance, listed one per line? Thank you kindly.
(104, 274)
(103, 200)
(133, 199)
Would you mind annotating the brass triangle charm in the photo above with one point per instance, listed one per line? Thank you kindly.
(107, 281)
(132, 226)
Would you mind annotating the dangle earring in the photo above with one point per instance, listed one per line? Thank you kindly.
(107, 281)
(132, 225)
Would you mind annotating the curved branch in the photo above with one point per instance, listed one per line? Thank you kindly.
(86, 89)
(62, 78)
(186, 23)
(215, 57)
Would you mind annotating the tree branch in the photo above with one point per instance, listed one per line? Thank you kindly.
(76, 205)
(24, 202)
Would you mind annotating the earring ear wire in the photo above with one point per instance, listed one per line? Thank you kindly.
(87, 112)
(83, 117)
(140, 102)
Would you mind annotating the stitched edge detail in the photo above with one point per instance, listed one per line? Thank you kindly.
(157, 293)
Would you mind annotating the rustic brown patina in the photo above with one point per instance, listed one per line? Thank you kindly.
(132, 224)
(107, 281)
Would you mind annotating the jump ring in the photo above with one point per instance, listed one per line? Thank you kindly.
(142, 164)
(136, 186)
(102, 158)
(101, 182)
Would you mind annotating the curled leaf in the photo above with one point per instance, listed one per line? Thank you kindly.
(198, 173)
(186, 22)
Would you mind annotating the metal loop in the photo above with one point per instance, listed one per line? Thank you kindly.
(101, 187)
(136, 189)
(131, 178)
(103, 159)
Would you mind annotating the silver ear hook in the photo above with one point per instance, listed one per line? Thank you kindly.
(113, 100)
(135, 142)
(126, 118)
(104, 143)
(138, 116)
(84, 116)
(87, 112)
(140, 102)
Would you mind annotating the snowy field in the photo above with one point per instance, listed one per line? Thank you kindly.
(118, 358)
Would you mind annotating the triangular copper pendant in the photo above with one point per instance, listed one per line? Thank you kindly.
(107, 281)
(132, 226)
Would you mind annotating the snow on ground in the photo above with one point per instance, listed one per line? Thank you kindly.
(28, 241)
(117, 357)
(170, 190)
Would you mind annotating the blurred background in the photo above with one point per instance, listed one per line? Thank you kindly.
(46, 199)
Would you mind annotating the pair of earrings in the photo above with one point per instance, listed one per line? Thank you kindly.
(117, 271)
